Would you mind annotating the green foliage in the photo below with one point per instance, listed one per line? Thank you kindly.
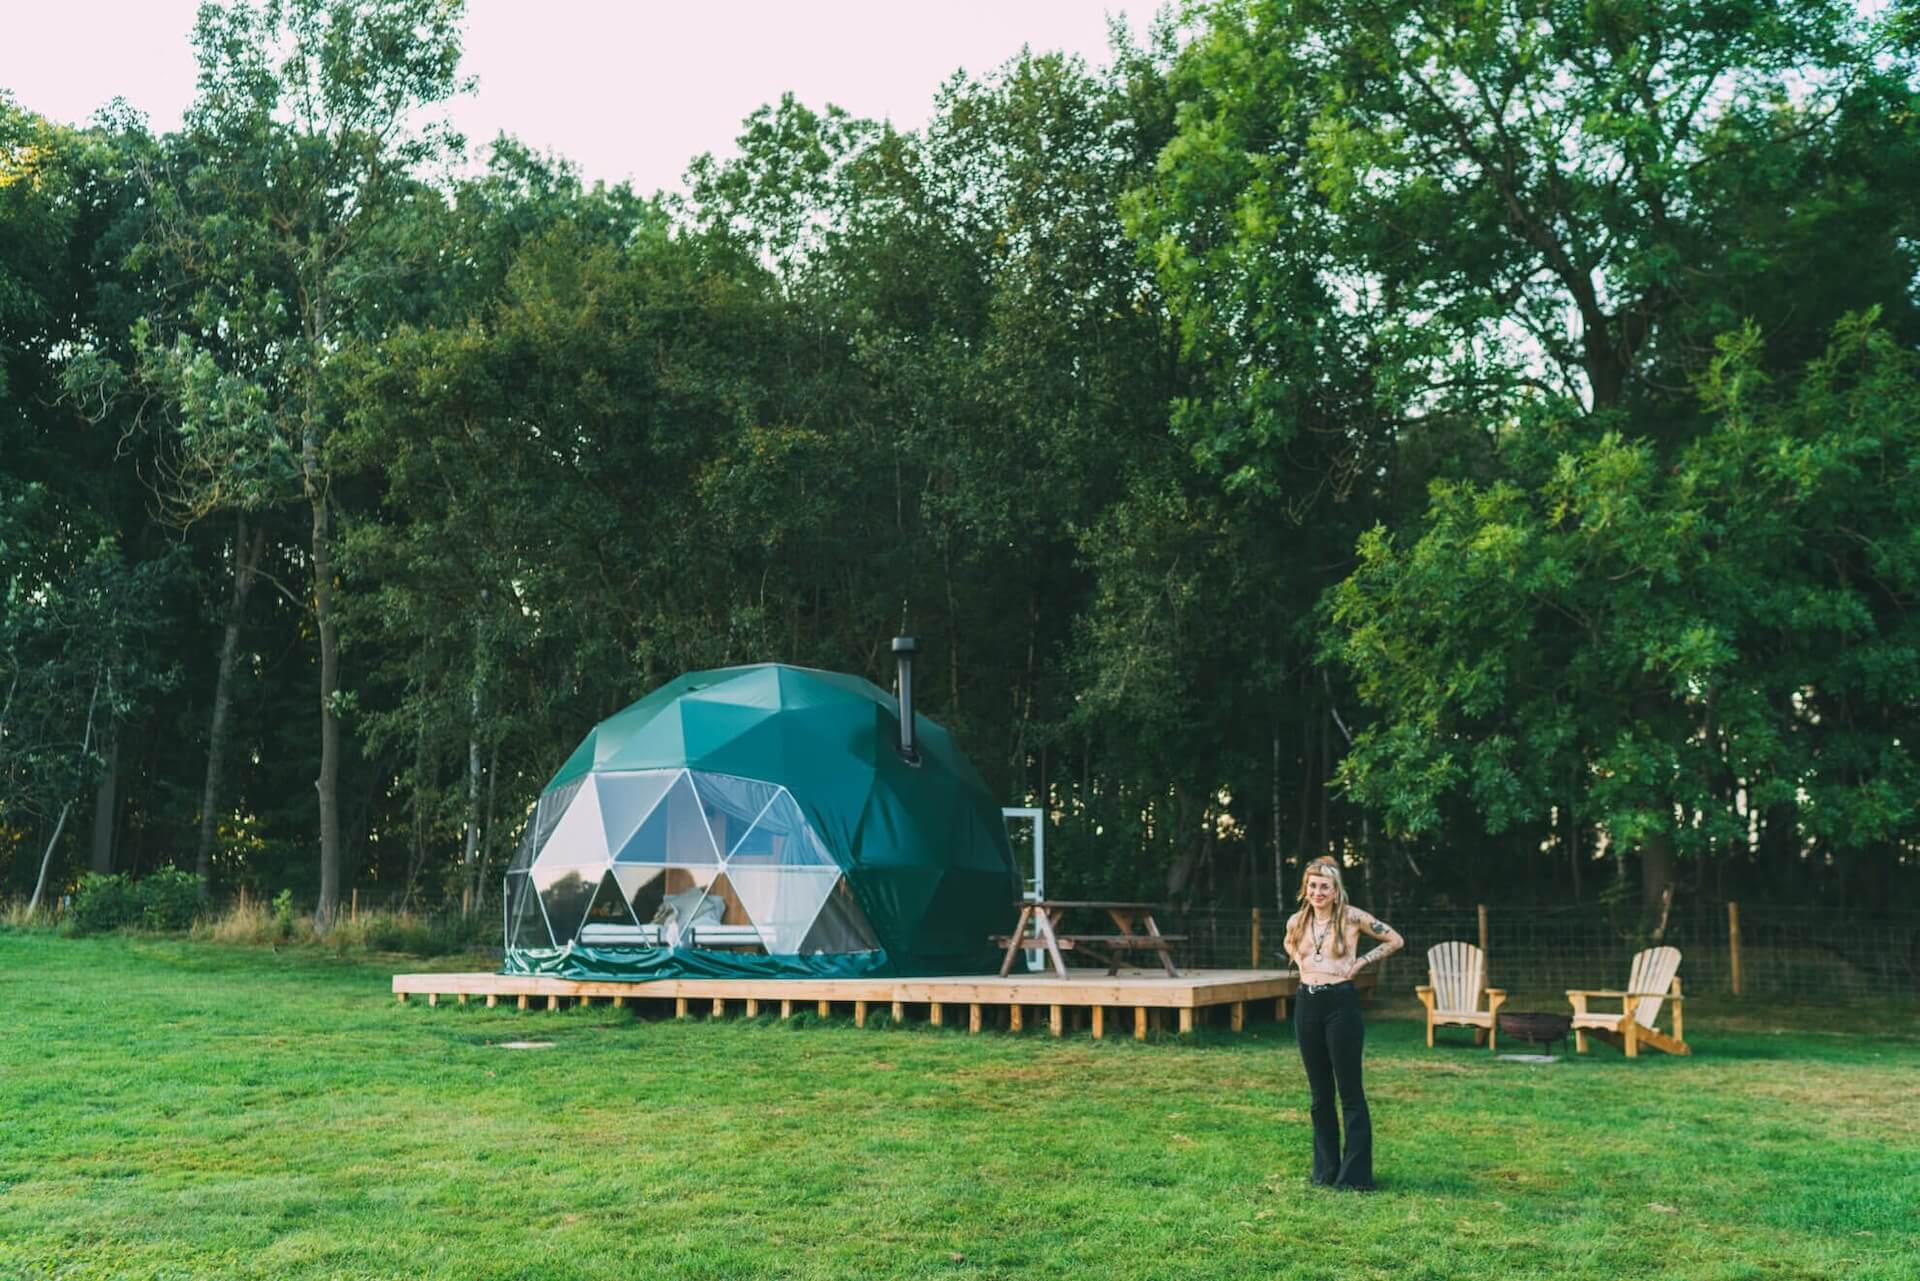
(1441, 390)
(1694, 645)
(169, 899)
(283, 913)
(102, 903)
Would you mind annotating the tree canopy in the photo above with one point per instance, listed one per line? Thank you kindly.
(1474, 440)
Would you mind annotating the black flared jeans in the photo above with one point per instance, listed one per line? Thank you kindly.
(1328, 1027)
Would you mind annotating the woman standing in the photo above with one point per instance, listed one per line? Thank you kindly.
(1323, 939)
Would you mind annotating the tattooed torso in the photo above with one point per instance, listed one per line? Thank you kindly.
(1327, 967)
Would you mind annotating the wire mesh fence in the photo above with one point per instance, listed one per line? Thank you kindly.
(1788, 953)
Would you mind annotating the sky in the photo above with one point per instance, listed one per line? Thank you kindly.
(628, 91)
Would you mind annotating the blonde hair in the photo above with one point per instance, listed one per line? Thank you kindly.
(1297, 923)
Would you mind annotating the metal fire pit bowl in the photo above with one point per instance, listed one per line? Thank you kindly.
(1535, 1027)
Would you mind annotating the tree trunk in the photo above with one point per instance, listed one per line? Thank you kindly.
(469, 856)
(327, 786)
(1279, 868)
(1656, 874)
(46, 858)
(106, 809)
(247, 546)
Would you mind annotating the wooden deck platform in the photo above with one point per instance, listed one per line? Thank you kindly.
(1089, 998)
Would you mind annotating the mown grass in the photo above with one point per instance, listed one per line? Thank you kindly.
(175, 1108)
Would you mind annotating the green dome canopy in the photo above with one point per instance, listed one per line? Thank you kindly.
(760, 821)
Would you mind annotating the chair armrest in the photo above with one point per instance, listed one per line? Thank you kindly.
(1603, 991)
(1425, 994)
(1658, 996)
(1500, 992)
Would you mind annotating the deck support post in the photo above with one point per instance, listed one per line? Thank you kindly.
(553, 1002)
(1139, 1022)
(753, 1007)
(786, 1009)
(859, 1013)
(1016, 1016)
(679, 1007)
(493, 999)
(1055, 1023)
(936, 1014)
(826, 1009)
(973, 1017)
(521, 1001)
(1099, 1022)
(1239, 1015)
(719, 1007)
(1186, 1022)
(899, 1013)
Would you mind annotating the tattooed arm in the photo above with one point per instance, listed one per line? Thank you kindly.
(1374, 927)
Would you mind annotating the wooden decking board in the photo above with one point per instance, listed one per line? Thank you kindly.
(1137, 989)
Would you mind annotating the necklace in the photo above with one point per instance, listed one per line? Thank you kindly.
(1319, 936)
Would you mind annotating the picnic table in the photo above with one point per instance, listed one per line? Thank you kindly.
(1133, 930)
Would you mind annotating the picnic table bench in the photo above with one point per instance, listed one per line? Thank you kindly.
(1133, 930)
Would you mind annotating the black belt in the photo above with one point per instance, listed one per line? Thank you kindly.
(1315, 989)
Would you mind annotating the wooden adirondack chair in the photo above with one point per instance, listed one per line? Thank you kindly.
(1456, 979)
(1655, 978)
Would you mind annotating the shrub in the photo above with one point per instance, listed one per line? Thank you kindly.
(169, 899)
(283, 913)
(104, 903)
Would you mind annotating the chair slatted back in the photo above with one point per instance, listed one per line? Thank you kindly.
(1653, 971)
(1458, 974)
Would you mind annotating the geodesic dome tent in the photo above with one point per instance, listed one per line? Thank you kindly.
(760, 821)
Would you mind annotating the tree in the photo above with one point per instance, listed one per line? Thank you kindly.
(1400, 238)
(1717, 656)
(281, 216)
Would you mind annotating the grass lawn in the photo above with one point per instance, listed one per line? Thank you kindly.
(177, 1109)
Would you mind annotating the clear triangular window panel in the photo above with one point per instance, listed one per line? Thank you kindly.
(781, 837)
(627, 798)
(733, 804)
(643, 887)
(526, 924)
(782, 902)
(546, 814)
(565, 892)
(719, 920)
(682, 903)
(840, 927)
(579, 837)
(524, 851)
(609, 905)
(674, 833)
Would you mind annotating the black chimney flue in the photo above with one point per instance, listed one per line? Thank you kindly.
(903, 651)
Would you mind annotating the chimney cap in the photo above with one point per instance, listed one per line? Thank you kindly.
(905, 645)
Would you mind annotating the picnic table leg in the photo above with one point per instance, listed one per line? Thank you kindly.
(1045, 921)
(1166, 956)
(1013, 944)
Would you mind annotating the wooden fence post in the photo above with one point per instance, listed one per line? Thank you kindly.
(1256, 938)
(1483, 929)
(1733, 944)
(353, 912)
